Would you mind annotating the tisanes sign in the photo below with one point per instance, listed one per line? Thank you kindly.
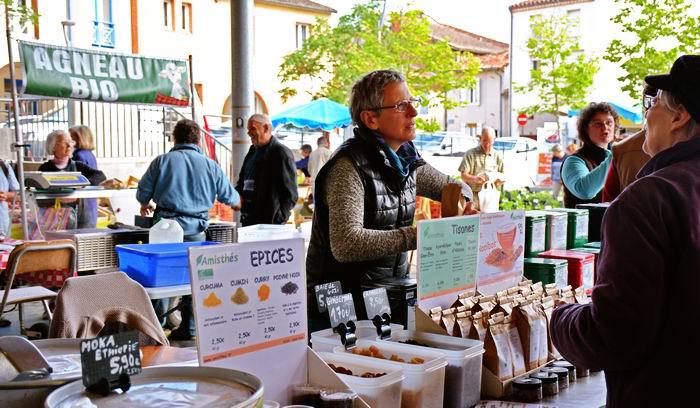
(62, 72)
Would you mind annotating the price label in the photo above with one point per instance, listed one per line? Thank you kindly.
(376, 302)
(341, 309)
(109, 357)
(324, 291)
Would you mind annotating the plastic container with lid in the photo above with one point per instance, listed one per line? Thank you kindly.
(577, 230)
(550, 382)
(535, 232)
(326, 340)
(547, 271)
(568, 366)
(555, 232)
(384, 391)
(580, 265)
(563, 374)
(527, 389)
(423, 385)
(596, 211)
(158, 387)
(337, 398)
(463, 371)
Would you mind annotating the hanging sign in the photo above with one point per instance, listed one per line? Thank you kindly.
(74, 73)
(249, 301)
(447, 256)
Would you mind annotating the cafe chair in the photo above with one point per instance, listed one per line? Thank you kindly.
(31, 257)
(102, 304)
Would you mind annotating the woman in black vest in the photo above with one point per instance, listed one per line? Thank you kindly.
(583, 173)
(366, 195)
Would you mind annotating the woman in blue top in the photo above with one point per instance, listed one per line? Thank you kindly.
(84, 145)
(584, 172)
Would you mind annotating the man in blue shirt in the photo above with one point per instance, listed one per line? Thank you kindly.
(184, 184)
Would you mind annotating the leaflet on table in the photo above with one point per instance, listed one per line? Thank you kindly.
(501, 243)
(447, 256)
(249, 302)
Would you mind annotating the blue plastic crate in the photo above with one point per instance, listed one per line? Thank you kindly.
(154, 265)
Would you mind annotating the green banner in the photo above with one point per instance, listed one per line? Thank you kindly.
(74, 73)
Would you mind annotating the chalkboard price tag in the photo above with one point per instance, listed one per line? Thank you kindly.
(324, 291)
(109, 358)
(341, 309)
(376, 302)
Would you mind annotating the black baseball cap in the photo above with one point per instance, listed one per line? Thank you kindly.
(683, 81)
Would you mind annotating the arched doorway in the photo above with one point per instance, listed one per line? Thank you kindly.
(260, 105)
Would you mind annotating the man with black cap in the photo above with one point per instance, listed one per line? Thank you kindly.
(642, 325)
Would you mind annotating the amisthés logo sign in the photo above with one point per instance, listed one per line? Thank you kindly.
(206, 260)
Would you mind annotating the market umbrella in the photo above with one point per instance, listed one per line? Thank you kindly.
(632, 116)
(322, 114)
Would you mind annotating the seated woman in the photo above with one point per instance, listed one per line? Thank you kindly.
(583, 173)
(60, 145)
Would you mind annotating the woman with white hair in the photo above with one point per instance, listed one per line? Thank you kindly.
(60, 145)
(642, 320)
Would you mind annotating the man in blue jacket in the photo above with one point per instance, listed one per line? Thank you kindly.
(184, 184)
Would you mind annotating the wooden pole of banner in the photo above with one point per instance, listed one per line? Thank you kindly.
(19, 145)
(189, 61)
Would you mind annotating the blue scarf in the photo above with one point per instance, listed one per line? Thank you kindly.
(401, 159)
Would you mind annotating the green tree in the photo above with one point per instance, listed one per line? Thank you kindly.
(656, 32)
(336, 57)
(562, 75)
(429, 125)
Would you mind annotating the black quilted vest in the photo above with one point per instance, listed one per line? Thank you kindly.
(390, 203)
(592, 155)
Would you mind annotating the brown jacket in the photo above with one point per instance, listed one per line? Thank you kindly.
(629, 157)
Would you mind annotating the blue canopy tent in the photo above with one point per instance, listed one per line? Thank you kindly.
(322, 114)
(628, 115)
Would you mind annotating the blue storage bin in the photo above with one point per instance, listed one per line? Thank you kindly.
(154, 265)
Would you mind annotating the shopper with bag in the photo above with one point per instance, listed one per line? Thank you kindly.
(482, 169)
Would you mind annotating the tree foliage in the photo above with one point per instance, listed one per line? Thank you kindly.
(563, 75)
(20, 13)
(335, 57)
(656, 32)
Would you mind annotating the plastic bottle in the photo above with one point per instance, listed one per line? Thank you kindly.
(165, 230)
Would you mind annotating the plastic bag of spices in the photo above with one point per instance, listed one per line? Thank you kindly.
(448, 320)
(464, 324)
(547, 308)
(497, 354)
(516, 347)
(543, 329)
(486, 303)
(567, 295)
(580, 295)
(527, 323)
(537, 286)
(503, 305)
(479, 326)
(436, 315)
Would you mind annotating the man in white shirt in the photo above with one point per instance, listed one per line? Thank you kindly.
(320, 156)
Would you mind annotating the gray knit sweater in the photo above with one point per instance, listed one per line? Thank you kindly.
(350, 242)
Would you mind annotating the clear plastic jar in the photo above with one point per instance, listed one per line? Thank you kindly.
(306, 394)
(563, 374)
(568, 366)
(527, 389)
(550, 382)
(337, 398)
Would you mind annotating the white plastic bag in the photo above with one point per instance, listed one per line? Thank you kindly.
(489, 198)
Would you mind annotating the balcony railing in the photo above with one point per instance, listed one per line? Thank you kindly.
(103, 34)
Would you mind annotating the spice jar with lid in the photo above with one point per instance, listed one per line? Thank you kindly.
(582, 372)
(563, 374)
(527, 389)
(568, 366)
(337, 398)
(306, 394)
(550, 382)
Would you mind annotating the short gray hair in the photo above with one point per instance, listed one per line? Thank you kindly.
(260, 118)
(673, 103)
(368, 92)
(52, 138)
